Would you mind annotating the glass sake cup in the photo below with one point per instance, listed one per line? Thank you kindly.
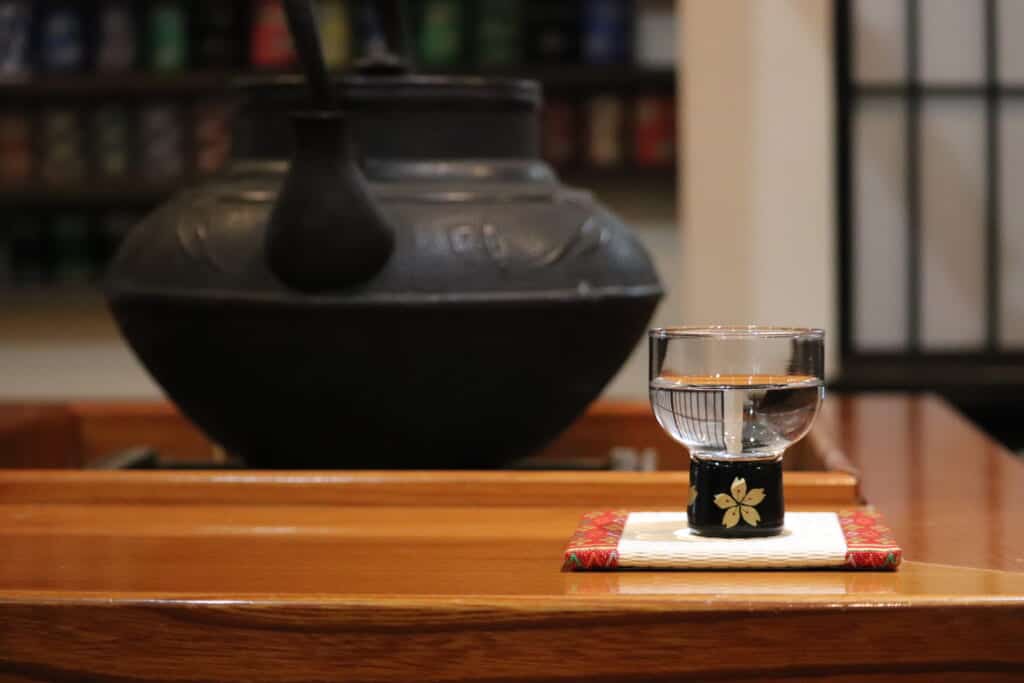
(737, 398)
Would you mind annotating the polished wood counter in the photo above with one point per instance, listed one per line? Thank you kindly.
(377, 576)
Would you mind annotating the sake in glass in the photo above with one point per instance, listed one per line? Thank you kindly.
(737, 398)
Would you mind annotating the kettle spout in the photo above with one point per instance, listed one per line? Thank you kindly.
(326, 233)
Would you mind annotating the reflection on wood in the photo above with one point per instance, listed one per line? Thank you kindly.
(924, 467)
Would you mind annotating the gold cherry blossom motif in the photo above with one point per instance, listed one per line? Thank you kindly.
(693, 495)
(740, 503)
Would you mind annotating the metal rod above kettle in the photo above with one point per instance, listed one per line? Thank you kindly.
(302, 22)
(396, 56)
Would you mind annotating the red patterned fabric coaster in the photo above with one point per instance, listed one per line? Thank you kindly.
(869, 542)
(596, 541)
(597, 544)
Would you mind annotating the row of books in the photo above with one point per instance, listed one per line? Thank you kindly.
(610, 131)
(112, 36)
(161, 144)
(158, 143)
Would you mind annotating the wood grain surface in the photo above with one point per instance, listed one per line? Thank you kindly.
(420, 576)
(502, 640)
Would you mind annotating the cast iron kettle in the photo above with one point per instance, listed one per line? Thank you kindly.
(415, 290)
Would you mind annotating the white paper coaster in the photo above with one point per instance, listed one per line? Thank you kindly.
(663, 540)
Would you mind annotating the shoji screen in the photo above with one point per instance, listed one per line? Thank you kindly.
(931, 181)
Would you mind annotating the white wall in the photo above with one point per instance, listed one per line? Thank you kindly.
(62, 345)
(758, 237)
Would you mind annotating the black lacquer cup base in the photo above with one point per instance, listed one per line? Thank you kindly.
(738, 499)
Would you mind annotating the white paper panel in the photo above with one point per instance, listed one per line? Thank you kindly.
(879, 41)
(1011, 195)
(952, 35)
(1010, 48)
(952, 224)
(879, 227)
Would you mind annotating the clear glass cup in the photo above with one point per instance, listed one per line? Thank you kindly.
(736, 397)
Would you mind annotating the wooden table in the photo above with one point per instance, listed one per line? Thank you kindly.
(369, 576)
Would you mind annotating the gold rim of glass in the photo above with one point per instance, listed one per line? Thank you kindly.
(737, 332)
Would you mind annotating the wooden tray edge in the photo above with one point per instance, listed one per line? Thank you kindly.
(388, 488)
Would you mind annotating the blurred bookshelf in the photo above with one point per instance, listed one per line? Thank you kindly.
(107, 107)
